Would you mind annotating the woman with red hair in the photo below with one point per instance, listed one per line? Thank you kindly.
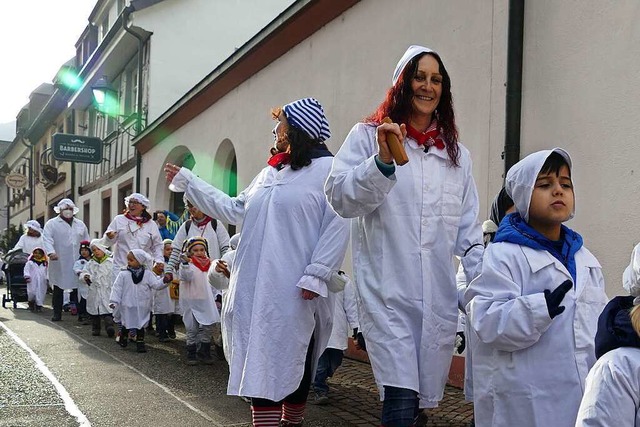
(411, 221)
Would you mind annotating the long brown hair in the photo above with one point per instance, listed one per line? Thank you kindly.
(397, 105)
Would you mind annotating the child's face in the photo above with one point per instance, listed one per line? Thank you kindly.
(167, 250)
(552, 200)
(38, 253)
(132, 261)
(85, 253)
(199, 251)
(97, 252)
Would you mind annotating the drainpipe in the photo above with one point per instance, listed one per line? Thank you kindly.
(138, 124)
(515, 37)
(31, 202)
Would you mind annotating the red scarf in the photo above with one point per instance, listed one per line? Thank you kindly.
(138, 219)
(428, 138)
(203, 222)
(202, 263)
(278, 160)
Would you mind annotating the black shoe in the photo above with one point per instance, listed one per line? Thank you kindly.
(172, 334)
(204, 353)
(140, 347)
(111, 331)
(56, 318)
(192, 356)
(38, 309)
(32, 305)
(66, 308)
(123, 341)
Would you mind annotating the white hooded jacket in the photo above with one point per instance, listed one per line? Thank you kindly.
(529, 369)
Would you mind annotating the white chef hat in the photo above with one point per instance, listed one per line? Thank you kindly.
(138, 198)
(142, 257)
(34, 225)
(412, 52)
(99, 243)
(65, 203)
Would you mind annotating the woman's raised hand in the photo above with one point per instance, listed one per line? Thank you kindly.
(171, 171)
(384, 153)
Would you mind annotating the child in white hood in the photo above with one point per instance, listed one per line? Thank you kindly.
(535, 306)
(35, 273)
(132, 295)
(98, 275)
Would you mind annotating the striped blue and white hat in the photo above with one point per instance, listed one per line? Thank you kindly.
(307, 115)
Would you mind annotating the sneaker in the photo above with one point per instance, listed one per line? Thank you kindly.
(320, 399)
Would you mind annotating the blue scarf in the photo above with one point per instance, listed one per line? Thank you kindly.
(136, 274)
(514, 229)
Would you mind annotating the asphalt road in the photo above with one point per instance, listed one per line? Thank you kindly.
(56, 373)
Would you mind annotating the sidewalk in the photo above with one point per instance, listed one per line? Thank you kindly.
(354, 398)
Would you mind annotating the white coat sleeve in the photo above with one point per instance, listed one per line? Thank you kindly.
(631, 275)
(155, 281)
(28, 269)
(350, 305)
(176, 248)
(469, 244)
(461, 285)
(156, 244)
(498, 313)
(216, 279)
(111, 227)
(611, 397)
(209, 199)
(47, 237)
(117, 288)
(355, 186)
(328, 254)
(185, 273)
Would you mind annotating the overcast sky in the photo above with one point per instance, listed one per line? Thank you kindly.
(36, 38)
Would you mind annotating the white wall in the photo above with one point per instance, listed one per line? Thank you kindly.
(580, 92)
(192, 37)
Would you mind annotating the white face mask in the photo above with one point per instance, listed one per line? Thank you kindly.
(67, 213)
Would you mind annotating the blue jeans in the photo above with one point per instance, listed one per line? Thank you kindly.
(400, 407)
(330, 360)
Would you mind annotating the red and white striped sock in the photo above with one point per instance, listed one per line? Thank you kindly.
(266, 416)
(293, 412)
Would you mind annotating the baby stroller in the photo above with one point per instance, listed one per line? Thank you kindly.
(14, 274)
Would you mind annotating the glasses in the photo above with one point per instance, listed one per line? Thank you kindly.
(134, 202)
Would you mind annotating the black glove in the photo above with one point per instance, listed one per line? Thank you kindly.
(555, 297)
(463, 342)
(361, 343)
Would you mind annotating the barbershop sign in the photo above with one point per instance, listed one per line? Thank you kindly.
(77, 148)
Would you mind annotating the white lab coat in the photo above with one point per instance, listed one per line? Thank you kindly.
(529, 370)
(134, 300)
(101, 276)
(291, 239)
(37, 285)
(63, 240)
(132, 236)
(612, 392)
(78, 267)
(197, 298)
(407, 229)
(345, 317)
(28, 243)
(631, 275)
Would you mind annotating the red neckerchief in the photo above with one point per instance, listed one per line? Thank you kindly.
(202, 263)
(202, 223)
(138, 219)
(279, 160)
(428, 138)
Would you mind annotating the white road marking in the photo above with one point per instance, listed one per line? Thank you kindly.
(69, 404)
(151, 380)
